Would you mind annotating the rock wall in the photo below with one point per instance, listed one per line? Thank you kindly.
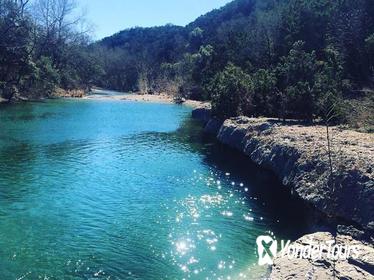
(202, 114)
(298, 155)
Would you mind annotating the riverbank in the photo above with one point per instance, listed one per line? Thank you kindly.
(58, 93)
(114, 96)
(297, 155)
(130, 97)
(75, 93)
(153, 98)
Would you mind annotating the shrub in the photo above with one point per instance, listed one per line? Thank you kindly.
(232, 92)
(265, 97)
(296, 78)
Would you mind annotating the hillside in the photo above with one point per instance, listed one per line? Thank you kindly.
(164, 44)
(145, 37)
(274, 58)
(167, 39)
(211, 21)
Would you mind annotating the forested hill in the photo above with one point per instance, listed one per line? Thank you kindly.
(283, 58)
(165, 44)
(145, 37)
(135, 39)
(232, 11)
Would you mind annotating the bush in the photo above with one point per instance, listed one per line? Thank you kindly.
(232, 92)
(296, 75)
(265, 98)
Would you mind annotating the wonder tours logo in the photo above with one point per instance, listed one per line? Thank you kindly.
(268, 248)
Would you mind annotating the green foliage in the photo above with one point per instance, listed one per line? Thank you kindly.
(41, 49)
(293, 58)
(266, 96)
(330, 87)
(196, 38)
(15, 59)
(296, 75)
(132, 59)
(301, 55)
(45, 78)
(231, 91)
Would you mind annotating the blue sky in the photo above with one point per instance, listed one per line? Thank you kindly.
(111, 16)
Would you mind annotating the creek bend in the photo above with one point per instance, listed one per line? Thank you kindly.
(130, 190)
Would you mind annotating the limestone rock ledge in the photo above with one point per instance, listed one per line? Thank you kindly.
(297, 154)
(352, 267)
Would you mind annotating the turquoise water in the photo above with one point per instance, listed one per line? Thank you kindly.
(121, 190)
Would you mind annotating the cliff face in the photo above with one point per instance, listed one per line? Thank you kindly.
(298, 156)
(202, 114)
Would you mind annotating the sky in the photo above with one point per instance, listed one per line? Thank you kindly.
(111, 16)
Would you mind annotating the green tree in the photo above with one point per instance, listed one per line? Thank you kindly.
(265, 94)
(231, 92)
(196, 39)
(15, 47)
(296, 77)
(44, 80)
(330, 87)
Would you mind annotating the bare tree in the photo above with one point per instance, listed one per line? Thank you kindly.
(60, 24)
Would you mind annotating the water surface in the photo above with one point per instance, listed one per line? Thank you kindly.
(125, 190)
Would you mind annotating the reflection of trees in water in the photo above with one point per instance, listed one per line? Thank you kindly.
(20, 112)
(16, 165)
(24, 164)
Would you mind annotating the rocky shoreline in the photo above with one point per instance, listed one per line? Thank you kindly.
(297, 155)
